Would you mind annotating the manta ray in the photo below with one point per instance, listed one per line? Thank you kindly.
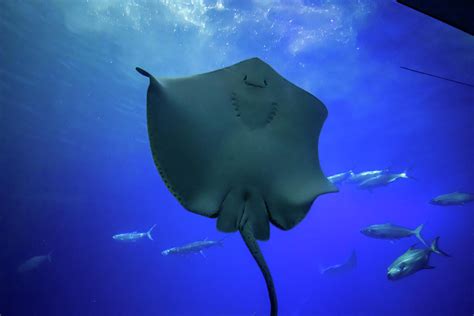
(239, 144)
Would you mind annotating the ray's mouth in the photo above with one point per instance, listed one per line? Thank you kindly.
(256, 84)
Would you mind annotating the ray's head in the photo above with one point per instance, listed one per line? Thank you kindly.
(255, 73)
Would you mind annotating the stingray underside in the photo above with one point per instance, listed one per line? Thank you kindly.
(240, 144)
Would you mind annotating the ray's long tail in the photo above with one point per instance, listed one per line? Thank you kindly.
(252, 245)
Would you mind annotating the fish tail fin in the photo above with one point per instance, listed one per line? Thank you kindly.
(417, 233)
(252, 245)
(220, 242)
(405, 175)
(148, 233)
(435, 248)
(352, 262)
(321, 269)
(350, 175)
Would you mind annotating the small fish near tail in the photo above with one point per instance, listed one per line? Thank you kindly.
(435, 248)
(148, 233)
(417, 233)
(249, 239)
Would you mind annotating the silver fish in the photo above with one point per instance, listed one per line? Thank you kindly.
(194, 247)
(340, 177)
(134, 236)
(34, 263)
(455, 198)
(382, 180)
(413, 260)
(365, 175)
(391, 231)
(336, 269)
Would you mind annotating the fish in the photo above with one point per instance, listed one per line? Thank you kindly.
(392, 232)
(365, 175)
(382, 180)
(455, 198)
(341, 177)
(194, 247)
(337, 269)
(134, 236)
(413, 260)
(34, 263)
(253, 138)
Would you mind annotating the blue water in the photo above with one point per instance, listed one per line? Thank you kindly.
(76, 167)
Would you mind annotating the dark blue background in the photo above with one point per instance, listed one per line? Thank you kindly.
(76, 166)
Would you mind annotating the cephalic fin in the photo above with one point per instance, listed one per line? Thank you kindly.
(143, 72)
